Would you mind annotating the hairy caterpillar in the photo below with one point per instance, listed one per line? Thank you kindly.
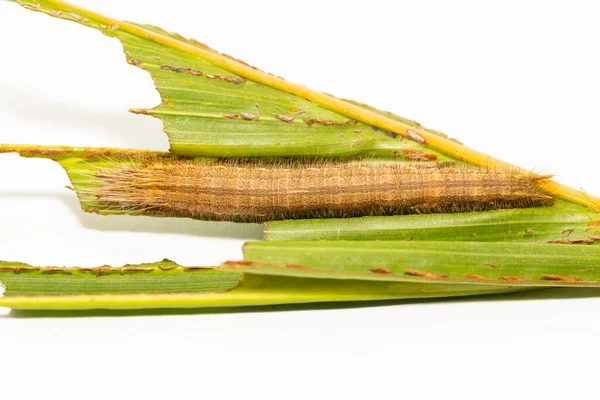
(254, 191)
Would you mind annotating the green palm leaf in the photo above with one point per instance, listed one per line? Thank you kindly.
(211, 105)
(564, 222)
(167, 285)
(214, 106)
(489, 263)
(207, 110)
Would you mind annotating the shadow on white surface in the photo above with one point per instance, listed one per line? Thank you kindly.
(126, 223)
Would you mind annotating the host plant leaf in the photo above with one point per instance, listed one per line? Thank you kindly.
(489, 263)
(165, 276)
(215, 106)
(564, 222)
(212, 106)
(167, 285)
(208, 110)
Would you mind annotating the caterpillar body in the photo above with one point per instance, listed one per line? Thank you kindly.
(255, 191)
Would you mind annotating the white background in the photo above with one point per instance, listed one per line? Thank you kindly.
(519, 80)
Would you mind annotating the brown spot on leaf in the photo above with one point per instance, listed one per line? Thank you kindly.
(184, 70)
(18, 270)
(311, 121)
(381, 271)
(248, 116)
(358, 131)
(296, 266)
(590, 240)
(490, 265)
(234, 79)
(283, 117)
(135, 62)
(512, 278)
(553, 277)
(247, 263)
(473, 276)
(416, 137)
(421, 157)
(166, 268)
(230, 116)
(136, 269)
(299, 112)
(105, 270)
(192, 269)
(412, 152)
(70, 187)
(424, 274)
(54, 270)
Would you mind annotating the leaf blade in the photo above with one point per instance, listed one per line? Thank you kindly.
(405, 128)
(111, 288)
(563, 221)
(489, 263)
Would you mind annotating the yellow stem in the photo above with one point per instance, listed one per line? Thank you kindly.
(436, 142)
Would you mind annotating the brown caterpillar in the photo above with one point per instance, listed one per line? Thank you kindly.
(254, 191)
